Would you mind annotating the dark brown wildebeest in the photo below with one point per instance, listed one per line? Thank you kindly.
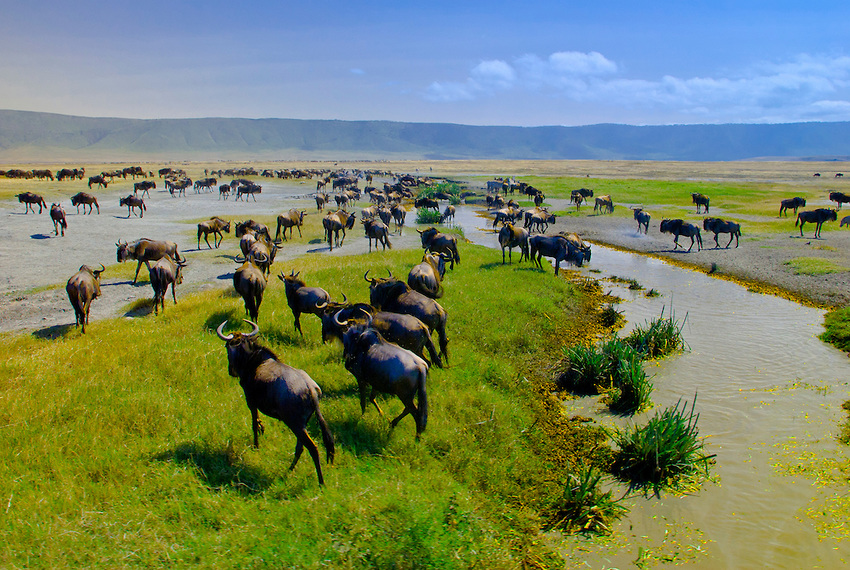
(99, 180)
(57, 214)
(817, 217)
(791, 203)
(378, 231)
(144, 187)
(845, 221)
(719, 226)
(839, 197)
(132, 203)
(224, 191)
(579, 245)
(249, 189)
(425, 202)
(679, 227)
(381, 366)
(85, 199)
(511, 237)
(701, 200)
(604, 204)
(399, 213)
(145, 250)
(303, 299)
(642, 218)
(83, 287)
(215, 226)
(277, 390)
(580, 195)
(256, 227)
(292, 219)
(43, 174)
(28, 199)
(436, 242)
(164, 272)
(336, 222)
(250, 282)
(392, 295)
(427, 277)
(556, 247)
(540, 221)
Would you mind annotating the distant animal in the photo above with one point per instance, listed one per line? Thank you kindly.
(165, 272)
(84, 199)
(817, 217)
(144, 187)
(132, 203)
(845, 221)
(99, 180)
(83, 287)
(291, 219)
(378, 231)
(642, 218)
(336, 222)
(278, 391)
(839, 197)
(224, 191)
(791, 204)
(399, 213)
(678, 228)
(28, 199)
(57, 214)
(604, 204)
(701, 200)
(448, 214)
(719, 226)
(839, 174)
(426, 203)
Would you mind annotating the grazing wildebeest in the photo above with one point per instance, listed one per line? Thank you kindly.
(556, 247)
(845, 221)
(378, 231)
(145, 250)
(678, 228)
(303, 299)
(144, 187)
(28, 199)
(511, 237)
(427, 276)
(582, 247)
(99, 180)
(448, 214)
(701, 200)
(213, 226)
(57, 214)
(277, 390)
(434, 241)
(132, 203)
(791, 203)
(381, 366)
(292, 219)
(604, 204)
(82, 288)
(642, 218)
(250, 282)
(392, 295)
(164, 272)
(85, 199)
(719, 226)
(817, 217)
(839, 197)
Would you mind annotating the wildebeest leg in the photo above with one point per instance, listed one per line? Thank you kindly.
(409, 408)
(257, 427)
(676, 242)
(444, 343)
(716, 243)
(692, 243)
(732, 235)
(298, 322)
(173, 294)
(802, 223)
(304, 440)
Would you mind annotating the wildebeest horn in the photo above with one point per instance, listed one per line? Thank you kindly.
(344, 299)
(390, 273)
(366, 276)
(261, 258)
(418, 230)
(254, 332)
(238, 259)
(221, 334)
(337, 321)
(321, 305)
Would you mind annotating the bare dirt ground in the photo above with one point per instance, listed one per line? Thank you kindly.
(34, 264)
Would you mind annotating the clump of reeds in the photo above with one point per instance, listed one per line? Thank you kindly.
(666, 449)
(610, 317)
(428, 216)
(631, 389)
(586, 370)
(657, 338)
(584, 506)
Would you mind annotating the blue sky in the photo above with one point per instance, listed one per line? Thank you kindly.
(478, 63)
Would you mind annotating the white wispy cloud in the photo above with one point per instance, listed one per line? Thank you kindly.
(808, 87)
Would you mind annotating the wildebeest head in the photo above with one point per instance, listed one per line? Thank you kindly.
(383, 290)
(125, 251)
(241, 347)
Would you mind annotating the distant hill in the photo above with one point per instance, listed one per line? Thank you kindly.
(44, 137)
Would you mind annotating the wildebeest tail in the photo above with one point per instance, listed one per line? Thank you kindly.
(327, 436)
(389, 245)
(422, 404)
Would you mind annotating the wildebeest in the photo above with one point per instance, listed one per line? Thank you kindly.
(580, 195)
(511, 237)
(132, 202)
(165, 272)
(277, 390)
(321, 199)
(292, 219)
(381, 366)
(540, 221)
(581, 246)
(215, 226)
(336, 222)
(99, 180)
(256, 227)
(399, 213)
(719, 226)
(57, 214)
(679, 227)
(145, 250)
(144, 187)
(642, 218)
(303, 299)
(83, 287)
(434, 241)
(378, 231)
(839, 197)
(817, 217)
(250, 282)
(85, 199)
(791, 203)
(604, 204)
(28, 199)
(262, 251)
(845, 221)
(224, 191)
(448, 214)
(556, 247)
(427, 276)
(249, 189)
(701, 200)
(390, 294)
(425, 202)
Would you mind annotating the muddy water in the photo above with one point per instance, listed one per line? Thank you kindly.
(769, 395)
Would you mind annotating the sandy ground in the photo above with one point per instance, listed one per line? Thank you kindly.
(34, 264)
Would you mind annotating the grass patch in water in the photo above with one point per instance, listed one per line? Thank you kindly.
(427, 216)
(658, 338)
(814, 266)
(837, 325)
(584, 506)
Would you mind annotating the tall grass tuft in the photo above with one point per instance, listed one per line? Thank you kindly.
(663, 452)
(587, 370)
(584, 507)
(658, 338)
(631, 389)
(428, 216)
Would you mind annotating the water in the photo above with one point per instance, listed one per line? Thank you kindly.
(769, 395)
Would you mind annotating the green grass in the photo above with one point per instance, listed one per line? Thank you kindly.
(837, 325)
(427, 216)
(657, 338)
(814, 266)
(130, 446)
(584, 506)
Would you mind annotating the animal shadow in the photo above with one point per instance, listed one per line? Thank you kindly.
(52, 333)
(41, 236)
(215, 319)
(218, 469)
(364, 437)
(140, 308)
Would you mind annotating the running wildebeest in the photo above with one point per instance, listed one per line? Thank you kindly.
(701, 200)
(719, 226)
(678, 228)
(791, 203)
(817, 217)
(277, 390)
(642, 218)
